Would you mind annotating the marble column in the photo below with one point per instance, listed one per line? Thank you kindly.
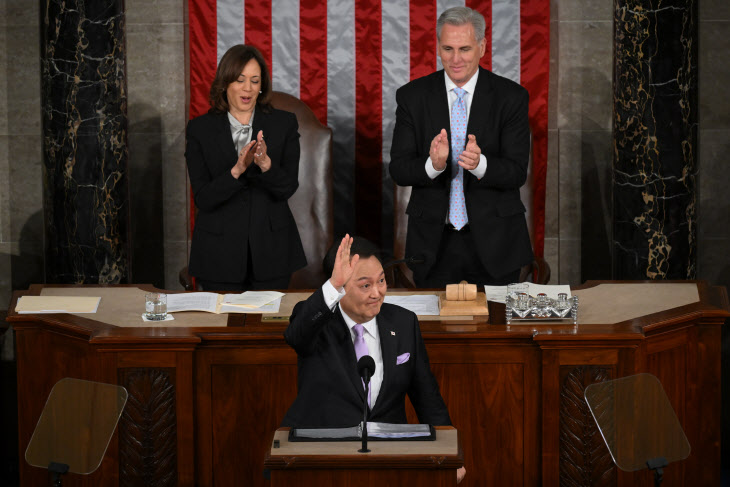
(84, 105)
(655, 162)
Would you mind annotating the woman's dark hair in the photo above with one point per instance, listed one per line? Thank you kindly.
(230, 67)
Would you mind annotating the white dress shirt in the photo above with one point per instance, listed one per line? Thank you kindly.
(469, 87)
(370, 333)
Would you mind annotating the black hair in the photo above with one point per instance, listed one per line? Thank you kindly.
(360, 246)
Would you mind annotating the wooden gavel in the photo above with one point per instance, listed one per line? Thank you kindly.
(461, 292)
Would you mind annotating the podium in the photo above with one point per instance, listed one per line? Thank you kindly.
(314, 463)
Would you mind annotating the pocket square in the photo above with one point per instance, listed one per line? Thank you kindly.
(402, 358)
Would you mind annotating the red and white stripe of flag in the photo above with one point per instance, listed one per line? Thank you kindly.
(346, 58)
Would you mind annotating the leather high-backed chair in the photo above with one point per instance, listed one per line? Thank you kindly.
(311, 205)
(401, 276)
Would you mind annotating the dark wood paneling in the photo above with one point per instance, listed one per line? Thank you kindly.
(503, 386)
(584, 459)
(148, 428)
(249, 403)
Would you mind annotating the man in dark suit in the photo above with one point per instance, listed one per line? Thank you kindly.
(462, 141)
(324, 332)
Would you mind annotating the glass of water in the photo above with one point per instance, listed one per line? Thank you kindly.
(155, 306)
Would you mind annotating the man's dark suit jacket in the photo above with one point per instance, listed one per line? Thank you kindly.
(498, 119)
(330, 392)
(252, 211)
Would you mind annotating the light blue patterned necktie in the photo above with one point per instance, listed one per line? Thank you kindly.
(457, 205)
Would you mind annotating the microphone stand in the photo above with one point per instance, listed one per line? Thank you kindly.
(364, 448)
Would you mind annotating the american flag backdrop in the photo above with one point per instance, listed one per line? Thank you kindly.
(346, 58)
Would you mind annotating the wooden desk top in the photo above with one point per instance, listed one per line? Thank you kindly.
(619, 309)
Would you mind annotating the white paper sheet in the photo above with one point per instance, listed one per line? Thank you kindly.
(421, 304)
(192, 302)
(252, 299)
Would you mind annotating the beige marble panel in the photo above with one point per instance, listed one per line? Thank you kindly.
(4, 190)
(552, 195)
(596, 155)
(573, 10)
(176, 257)
(714, 76)
(23, 80)
(25, 188)
(569, 183)
(553, 74)
(714, 10)
(714, 181)
(6, 288)
(585, 93)
(19, 12)
(156, 77)
(569, 266)
(3, 80)
(26, 261)
(552, 247)
(712, 261)
(174, 185)
(154, 12)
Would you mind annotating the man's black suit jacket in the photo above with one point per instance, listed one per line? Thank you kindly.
(498, 117)
(330, 392)
(251, 211)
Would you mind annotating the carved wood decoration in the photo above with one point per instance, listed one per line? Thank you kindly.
(147, 428)
(584, 458)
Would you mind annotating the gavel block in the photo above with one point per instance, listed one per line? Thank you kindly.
(463, 300)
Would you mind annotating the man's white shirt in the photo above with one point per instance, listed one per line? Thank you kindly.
(469, 87)
(372, 338)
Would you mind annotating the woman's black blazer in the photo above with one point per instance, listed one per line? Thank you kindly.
(235, 215)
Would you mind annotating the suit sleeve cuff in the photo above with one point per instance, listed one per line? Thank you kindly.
(481, 169)
(331, 295)
(433, 173)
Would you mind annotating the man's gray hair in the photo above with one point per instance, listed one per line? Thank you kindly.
(461, 16)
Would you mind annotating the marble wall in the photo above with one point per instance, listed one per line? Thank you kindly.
(713, 232)
(157, 82)
(578, 209)
(21, 207)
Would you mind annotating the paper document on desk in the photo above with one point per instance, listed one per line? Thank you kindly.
(252, 299)
(498, 294)
(215, 303)
(270, 307)
(57, 304)
(192, 302)
(421, 304)
(375, 430)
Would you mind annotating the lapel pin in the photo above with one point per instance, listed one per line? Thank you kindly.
(392, 333)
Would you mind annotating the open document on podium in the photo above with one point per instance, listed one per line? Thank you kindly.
(376, 431)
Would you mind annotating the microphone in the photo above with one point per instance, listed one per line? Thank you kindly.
(414, 259)
(366, 368)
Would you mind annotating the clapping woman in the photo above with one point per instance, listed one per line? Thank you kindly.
(243, 162)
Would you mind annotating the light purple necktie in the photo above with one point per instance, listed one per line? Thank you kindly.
(361, 348)
(457, 206)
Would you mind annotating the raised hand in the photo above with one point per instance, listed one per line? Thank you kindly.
(344, 266)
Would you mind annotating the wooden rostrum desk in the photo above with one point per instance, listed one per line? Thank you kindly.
(206, 391)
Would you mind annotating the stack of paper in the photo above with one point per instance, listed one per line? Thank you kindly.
(57, 304)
